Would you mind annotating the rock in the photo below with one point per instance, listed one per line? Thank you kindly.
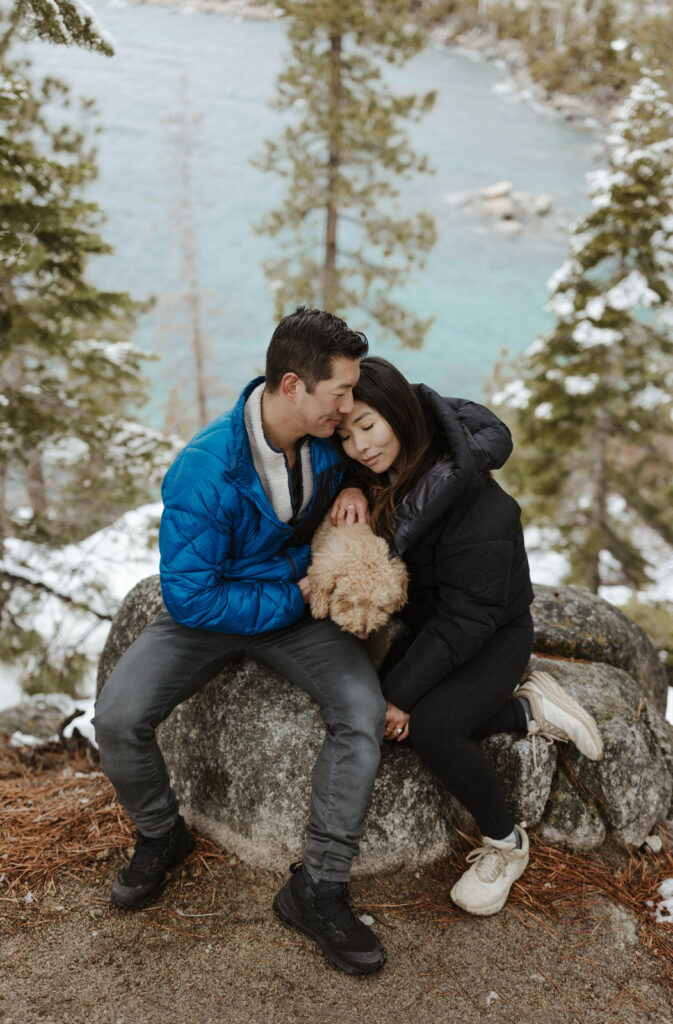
(526, 787)
(632, 785)
(571, 622)
(662, 729)
(654, 843)
(509, 227)
(570, 818)
(141, 605)
(502, 208)
(542, 205)
(241, 752)
(37, 719)
(497, 190)
(249, 785)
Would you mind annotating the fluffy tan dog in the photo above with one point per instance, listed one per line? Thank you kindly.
(353, 579)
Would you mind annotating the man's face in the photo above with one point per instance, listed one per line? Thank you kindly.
(320, 411)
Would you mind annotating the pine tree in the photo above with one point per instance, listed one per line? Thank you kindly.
(68, 373)
(594, 402)
(343, 246)
(62, 21)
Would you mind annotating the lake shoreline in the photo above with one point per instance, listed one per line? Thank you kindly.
(479, 42)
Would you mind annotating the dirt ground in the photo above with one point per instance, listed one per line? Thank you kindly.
(211, 949)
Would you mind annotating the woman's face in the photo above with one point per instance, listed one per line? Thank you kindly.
(367, 438)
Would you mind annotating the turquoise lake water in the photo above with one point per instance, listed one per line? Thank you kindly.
(486, 290)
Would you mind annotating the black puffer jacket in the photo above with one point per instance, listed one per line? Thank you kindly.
(461, 538)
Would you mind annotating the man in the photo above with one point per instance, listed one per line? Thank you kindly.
(241, 503)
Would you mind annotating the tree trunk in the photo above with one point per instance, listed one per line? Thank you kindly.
(3, 507)
(599, 510)
(35, 485)
(560, 25)
(535, 19)
(14, 373)
(329, 276)
(192, 296)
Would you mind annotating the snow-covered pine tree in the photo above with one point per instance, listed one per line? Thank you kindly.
(61, 21)
(68, 373)
(343, 246)
(593, 405)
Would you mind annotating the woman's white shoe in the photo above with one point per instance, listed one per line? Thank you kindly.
(484, 887)
(557, 716)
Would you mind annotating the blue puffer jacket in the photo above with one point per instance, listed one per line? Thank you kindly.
(228, 563)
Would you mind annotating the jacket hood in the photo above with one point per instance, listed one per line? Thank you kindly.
(475, 441)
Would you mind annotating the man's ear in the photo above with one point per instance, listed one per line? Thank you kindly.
(289, 384)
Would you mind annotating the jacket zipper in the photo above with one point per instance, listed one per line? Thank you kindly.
(294, 567)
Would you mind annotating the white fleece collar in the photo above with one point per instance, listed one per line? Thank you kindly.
(271, 463)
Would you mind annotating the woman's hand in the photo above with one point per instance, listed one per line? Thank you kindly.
(350, 506)
(304, 585)
(397, 723)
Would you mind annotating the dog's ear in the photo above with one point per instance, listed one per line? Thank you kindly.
(322, 585)
(396, 582)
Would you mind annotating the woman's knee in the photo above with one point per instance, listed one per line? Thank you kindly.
(431, 731)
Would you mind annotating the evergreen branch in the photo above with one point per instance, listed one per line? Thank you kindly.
(14, 577)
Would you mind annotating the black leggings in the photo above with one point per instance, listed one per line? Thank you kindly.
(473, 701)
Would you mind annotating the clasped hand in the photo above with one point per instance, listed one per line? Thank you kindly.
(397, 723)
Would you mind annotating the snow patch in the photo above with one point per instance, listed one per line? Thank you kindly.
(651, 397)
(630, 293)
(75, 593)
(587, 335)
(515, 394)
(664, 910)
(581, 385)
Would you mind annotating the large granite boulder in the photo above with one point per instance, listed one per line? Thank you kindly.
(241, 752)
(241, 755)
(573, 623)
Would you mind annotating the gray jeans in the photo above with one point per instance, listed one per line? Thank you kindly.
(169, 662)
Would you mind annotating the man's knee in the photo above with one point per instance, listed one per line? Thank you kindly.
(118, 723)
(356, 708)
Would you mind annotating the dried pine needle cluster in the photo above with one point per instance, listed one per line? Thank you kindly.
(58, 815)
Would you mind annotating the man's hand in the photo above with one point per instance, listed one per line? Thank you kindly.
(304, 585)
(350, 506)
(397, 723)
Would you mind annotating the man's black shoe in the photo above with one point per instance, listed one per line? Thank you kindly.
(320, 909)
(139, 883)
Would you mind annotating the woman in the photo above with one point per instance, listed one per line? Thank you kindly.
(424, 462)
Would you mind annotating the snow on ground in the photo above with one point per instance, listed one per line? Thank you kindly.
(10, 685)
(549, 567)
(664, 910)
(97, 573)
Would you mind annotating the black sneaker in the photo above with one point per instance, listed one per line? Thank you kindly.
(139, 883)
(320, 910)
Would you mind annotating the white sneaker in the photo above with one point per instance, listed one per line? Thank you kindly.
(484, 887)
(556, 716)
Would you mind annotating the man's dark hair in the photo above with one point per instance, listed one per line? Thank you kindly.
(306, 342)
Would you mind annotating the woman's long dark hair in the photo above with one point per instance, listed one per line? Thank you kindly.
(385, 389)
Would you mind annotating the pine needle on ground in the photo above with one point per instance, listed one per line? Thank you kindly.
(59, 815)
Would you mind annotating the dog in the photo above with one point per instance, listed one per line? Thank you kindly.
(353, 579)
